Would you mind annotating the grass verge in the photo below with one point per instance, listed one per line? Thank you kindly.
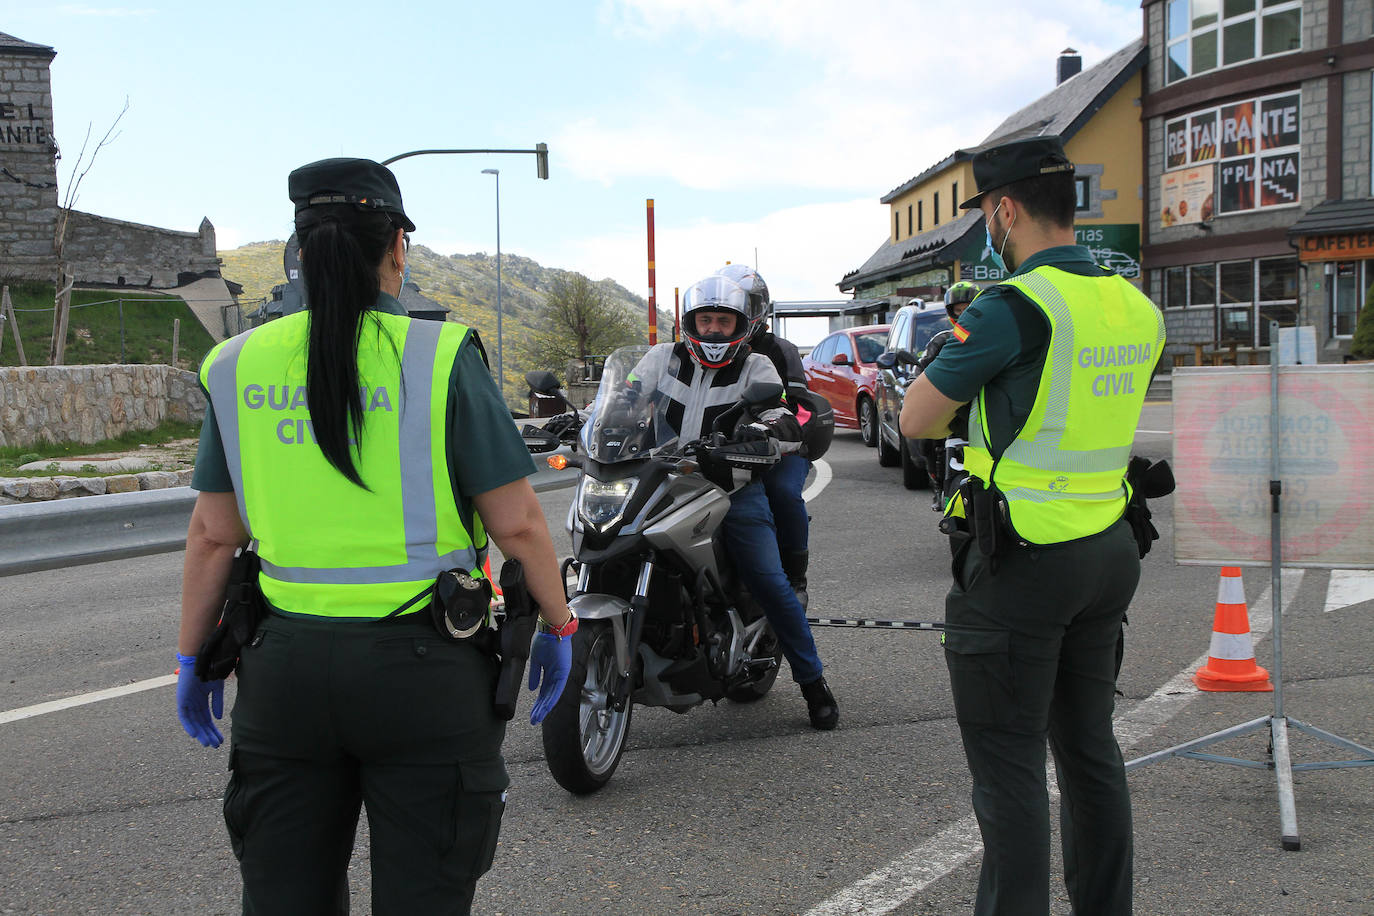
(12, 457)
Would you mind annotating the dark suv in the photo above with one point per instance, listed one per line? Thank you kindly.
(912, 328)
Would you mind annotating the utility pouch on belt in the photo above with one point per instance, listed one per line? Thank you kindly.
(516, 632)
(243, 610)
(459, 604)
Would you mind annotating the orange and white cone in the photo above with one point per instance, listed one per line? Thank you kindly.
(1231, 658)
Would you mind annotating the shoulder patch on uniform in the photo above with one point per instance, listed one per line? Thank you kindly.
(960, 333)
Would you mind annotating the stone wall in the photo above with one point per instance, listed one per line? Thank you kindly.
(104, 250)
(28, 162)
(91, 403)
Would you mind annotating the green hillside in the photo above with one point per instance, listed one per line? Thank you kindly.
(465, 284)
(104, 327)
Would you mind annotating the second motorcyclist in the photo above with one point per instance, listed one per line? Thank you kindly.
(945, 460)
(700, 378)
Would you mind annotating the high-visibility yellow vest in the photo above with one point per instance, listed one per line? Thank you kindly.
(1063, 476)
(330, 548)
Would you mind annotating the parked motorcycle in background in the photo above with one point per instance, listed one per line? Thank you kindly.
(664, 621)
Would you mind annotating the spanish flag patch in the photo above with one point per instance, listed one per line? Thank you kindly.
(959, 332)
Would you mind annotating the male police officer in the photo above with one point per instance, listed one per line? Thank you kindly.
(1055, 362)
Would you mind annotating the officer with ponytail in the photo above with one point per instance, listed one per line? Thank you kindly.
(362, 453)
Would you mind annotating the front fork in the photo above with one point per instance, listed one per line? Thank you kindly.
(627, 629)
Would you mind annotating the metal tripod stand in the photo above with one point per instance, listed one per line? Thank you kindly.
(1277, 723)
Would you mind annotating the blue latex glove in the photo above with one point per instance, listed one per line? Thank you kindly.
(196, 699)
(550, 659)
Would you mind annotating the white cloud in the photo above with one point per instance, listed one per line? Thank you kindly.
(861, 93)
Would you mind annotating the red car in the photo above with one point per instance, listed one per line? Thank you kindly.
(841, 368)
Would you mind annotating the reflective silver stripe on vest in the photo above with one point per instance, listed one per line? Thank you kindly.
(1049, 496)
(1045, 450)
(224, 396)
(417, 476)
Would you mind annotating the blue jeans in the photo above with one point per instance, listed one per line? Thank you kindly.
(783, 482)
(753, 545)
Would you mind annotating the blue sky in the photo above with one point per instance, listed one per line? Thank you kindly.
(765, 130)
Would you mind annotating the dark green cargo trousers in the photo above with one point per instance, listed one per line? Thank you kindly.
(1031, 651)
(331, 716)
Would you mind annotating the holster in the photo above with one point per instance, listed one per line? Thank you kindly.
(243, 610)
(460, 604)
(1147, 481)
(980, 504)
(514, 633)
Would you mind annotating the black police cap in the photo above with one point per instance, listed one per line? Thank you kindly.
(363, 183)
(998, 166)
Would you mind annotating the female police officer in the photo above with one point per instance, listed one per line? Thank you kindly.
(364, 452)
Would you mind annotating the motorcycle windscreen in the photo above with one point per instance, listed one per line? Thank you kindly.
(626, 420)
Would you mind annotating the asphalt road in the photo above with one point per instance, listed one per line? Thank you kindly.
(109, 808)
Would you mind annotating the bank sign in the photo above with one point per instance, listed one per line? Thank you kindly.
(1114, 246)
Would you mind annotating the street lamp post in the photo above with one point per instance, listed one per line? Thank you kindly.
(500, 364)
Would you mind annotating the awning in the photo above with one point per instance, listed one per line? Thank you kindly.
(1336, 217)
(830, 308)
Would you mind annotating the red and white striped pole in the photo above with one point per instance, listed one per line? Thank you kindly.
(653, 309)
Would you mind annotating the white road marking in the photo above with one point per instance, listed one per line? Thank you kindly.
(28, 712)
(1349, 586)
(906, 876)
(822, 480)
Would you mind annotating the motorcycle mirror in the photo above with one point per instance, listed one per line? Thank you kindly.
(886, 360)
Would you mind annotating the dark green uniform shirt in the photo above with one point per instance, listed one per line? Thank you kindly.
(1004, 351)
(484, 448)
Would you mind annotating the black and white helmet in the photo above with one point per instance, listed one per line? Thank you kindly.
(760, 305)
(715, 294)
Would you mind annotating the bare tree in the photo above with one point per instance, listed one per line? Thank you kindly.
(66, 278)
(577, 321)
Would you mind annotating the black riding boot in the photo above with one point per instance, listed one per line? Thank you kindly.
(794, 564)
(821, 705)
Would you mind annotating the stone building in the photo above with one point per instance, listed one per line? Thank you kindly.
(99, 250)
(1258, 139)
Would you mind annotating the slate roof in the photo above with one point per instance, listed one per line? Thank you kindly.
(1333, 217)
(11, 45)
(1063, 111)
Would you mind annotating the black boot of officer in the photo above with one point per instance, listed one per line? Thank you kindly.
(794, 564)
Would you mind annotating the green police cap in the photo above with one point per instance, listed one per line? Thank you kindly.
(363, 183)
(998, 166)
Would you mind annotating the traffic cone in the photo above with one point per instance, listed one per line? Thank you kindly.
(1231, 658)
(495, 585)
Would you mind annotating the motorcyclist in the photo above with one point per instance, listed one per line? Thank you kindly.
(947, 471)
(699, 378)
(784, 481)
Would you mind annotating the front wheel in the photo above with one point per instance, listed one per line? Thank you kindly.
(583, 736)
(868, 422)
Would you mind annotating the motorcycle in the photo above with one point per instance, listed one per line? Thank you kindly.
(663, 619)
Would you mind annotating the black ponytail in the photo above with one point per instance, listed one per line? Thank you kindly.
(341, 250)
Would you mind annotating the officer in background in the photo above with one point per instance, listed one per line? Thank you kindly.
(364, 452)
(1054, 363)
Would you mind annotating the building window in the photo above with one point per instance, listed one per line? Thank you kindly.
(1175, 287)
(908, 219)
(1253, 293)
(1202, 284)
(896, 225)
(1256, 145)
(1347, 288)
(935, 209)
(920, 216)
(1202, 35)
(954, 201)
(1083, 199)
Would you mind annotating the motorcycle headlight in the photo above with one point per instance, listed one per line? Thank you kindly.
(601, 503)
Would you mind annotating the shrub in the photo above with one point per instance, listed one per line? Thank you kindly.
(1362, 345)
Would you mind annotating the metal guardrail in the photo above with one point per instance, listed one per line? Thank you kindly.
(93, 529)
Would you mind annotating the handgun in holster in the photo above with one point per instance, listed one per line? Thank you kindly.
(244, 608)
(514, 635)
